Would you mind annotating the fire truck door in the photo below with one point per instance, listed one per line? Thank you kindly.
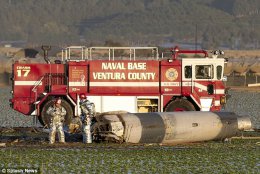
(171, 79)
(78, 78)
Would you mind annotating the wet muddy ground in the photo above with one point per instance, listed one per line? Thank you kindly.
(34, 136)
(28, 148)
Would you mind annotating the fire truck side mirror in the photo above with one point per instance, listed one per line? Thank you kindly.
(226, 60)
(210, 89)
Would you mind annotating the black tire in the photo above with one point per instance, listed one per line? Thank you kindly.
(45, 118)
(179, 105)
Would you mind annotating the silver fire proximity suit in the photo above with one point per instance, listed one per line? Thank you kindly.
(87, 113)
(57, 117)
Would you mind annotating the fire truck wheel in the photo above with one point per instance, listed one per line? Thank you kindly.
(45, 118)
(179, 105)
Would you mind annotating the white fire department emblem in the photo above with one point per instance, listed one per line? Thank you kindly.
(171, 74)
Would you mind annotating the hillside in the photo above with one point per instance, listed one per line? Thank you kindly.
(232, 24)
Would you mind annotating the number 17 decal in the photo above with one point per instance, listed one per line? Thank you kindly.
(23, 72)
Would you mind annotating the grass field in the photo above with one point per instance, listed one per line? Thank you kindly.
(237, 156)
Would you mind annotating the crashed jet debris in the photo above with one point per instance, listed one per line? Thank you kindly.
(169, 127)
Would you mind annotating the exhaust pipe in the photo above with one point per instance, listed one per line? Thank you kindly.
(45, 49)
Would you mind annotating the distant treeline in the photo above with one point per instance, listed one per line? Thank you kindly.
(234, 24)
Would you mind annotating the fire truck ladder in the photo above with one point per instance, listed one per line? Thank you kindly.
(125, 52)
(48, 80)
(75, 53)
(36, 95)
(81, 53)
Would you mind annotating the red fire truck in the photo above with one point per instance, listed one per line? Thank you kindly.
(116, 78)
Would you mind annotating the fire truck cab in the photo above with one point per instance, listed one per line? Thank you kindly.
(116, 78)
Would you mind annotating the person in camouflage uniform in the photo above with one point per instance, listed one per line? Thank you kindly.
(57, 113)
(87, 113)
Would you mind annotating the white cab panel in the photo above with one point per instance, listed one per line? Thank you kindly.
(114, 103)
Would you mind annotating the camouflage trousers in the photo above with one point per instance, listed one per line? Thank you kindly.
(56, 127)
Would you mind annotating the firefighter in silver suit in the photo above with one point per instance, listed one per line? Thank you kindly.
(87, 113)
(57, 113)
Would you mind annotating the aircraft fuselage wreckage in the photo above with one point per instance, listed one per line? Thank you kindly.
(169, 127)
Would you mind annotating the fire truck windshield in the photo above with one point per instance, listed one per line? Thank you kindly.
(204, 71)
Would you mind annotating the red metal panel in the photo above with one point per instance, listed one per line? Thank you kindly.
(166, 100)
(198, 89)
(187, 87)
(29, 82)
(62, 89)
(171, 78)
(27, 76)
(124, 77)
(23, 105)
(78, 78)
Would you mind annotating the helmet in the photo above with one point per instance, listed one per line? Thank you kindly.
(82, 96)
(58, 101)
